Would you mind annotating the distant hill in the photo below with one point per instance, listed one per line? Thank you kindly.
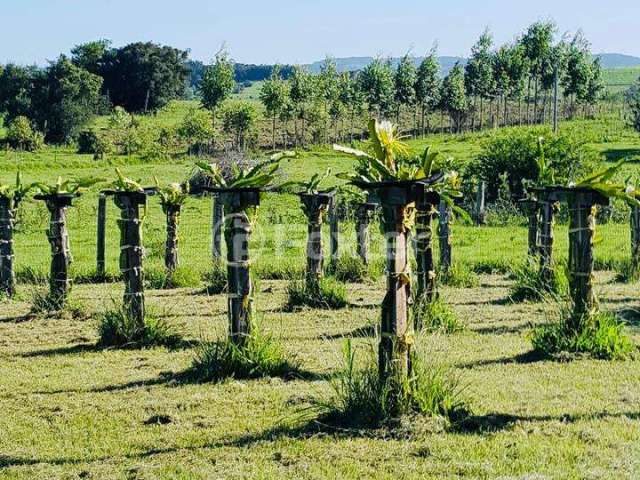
(352, 64)
(618, 60)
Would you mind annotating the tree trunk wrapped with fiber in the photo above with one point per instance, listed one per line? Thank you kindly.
(172, 213)
(315, 207)
(425, 271)
(241, 209)
(364, 215)
(7, 221)
(132, 254)
(59, 281)
(444, 236)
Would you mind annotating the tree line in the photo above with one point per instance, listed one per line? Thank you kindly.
(499, 85)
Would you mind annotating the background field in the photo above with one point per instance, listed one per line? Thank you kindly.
(70, 410)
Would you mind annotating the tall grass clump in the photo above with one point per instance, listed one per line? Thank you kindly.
(459, 275)
(530, 286)
(116, 328)
(260, 356)
(43, 304)
(627, 272)
(181, 277)
(216, 278)
(328, 294)
(600, 335)
(348, 268)
(435, 316)
(361, 399)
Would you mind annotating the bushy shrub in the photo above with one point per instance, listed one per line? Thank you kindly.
(627, 272)
(22, 136)
(98, 143)
(600, 336)
(361, 399)
(513, 151)
(435, 316)
(239, 121)
(329, 294)
(261, 356)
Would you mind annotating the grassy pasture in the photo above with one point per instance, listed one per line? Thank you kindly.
(70, 410)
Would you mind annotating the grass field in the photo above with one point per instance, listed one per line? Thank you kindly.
(71, 410)
(619, 80)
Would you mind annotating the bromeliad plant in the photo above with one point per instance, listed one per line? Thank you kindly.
(239, 189)
(172, 197)
(11, 195)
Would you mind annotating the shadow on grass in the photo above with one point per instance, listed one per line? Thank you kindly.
(368, 331)
(19, 318)
(617, 154)
(501, 329)
(630, 316)
(186, 377)
(532, 356)
(474, 425)
(495, 422)
(94, 348)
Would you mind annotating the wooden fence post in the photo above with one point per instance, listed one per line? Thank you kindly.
(101, 236)
(172, 213)
(444, 236)
(481, 214)
(217, 226)
(546, 240)
(364, 215)
(334, 229)
(425, 271)
(635, 239)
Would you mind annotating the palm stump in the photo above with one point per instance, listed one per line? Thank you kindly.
(58, 236)
(315, 207)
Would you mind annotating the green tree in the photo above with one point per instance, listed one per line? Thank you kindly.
(537, 44)
(218, 82)
(376, 82)
(453, 98)
(197, 130)
(64, 98)
(596, 83)
(351, 97)
(428, 85)
(16, 89)
(575, 81)
(632, 98)
(301, 91)
(22, 136)
(479, 72)
(274, 96)
(239, 119)
(405, 86)
(144, 77)
(91, 55)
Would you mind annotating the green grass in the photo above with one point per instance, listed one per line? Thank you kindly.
(71, 410)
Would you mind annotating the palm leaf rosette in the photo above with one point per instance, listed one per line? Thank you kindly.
(14, 193)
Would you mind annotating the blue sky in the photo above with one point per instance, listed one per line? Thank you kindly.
(301, 31)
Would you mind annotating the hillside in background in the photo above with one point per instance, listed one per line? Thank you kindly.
(618, 60)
